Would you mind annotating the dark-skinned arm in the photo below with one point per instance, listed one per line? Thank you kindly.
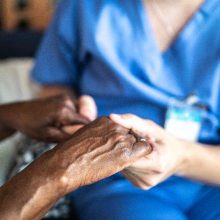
(94, 152)
(42, 119)
(5, 131)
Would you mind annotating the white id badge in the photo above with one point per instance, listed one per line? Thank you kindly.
(183, 120)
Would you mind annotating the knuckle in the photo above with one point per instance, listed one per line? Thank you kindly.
(120, 139)
(112, 126)
(118, 127)
(69, 102)
(64, 97)
(63, 110)
(102, 119)
(123, 152)
(126, 151)
(49, 135)
(116, 136)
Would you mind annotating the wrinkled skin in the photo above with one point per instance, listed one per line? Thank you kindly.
(50, 120)
(101, 149)
(96, 151)
(87, 108)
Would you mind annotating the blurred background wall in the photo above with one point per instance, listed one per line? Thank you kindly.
(26, 14)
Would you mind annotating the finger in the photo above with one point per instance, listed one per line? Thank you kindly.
(135, 180)
(127, 120)
(71, 129)
(139, 150)
(131, 122)
(69, 102)
(72, 118)
(54, 135)
(64, 100)
(129, 176)
(137, 136)
(140, 138)
(87, 107)
(146, 128)
(142, 146)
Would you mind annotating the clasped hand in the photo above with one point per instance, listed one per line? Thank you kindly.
(96, 151)
(166, 159)
(50, 119)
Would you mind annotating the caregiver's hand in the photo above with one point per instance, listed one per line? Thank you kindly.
(166, 159)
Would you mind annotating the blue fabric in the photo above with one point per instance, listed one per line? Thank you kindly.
(174, 199)
(106, 49)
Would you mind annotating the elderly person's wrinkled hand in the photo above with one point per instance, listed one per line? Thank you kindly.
(96, 151)
(43, 119)
(87, 108)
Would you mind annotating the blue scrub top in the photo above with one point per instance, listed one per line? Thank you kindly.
(106, 48)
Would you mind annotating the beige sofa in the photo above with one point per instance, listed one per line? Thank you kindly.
(15, 85)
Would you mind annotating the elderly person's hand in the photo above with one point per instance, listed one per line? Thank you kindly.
(94, 152)
(50, 119)
(87, 108)
(101, 149)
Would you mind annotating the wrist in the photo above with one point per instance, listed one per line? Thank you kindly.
(187, 152)
(63, 172)
(6, 128)
(11, 113)
(52, 173)
(39, 186)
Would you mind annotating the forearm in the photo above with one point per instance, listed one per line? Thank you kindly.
(32, 192)
(52, 90)
(201, 163)
(5, 126)
(5, 132)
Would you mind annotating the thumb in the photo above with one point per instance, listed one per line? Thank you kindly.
(139, 150)
(129, 121)
(71, 129)
(87, 107)
(55, 135)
